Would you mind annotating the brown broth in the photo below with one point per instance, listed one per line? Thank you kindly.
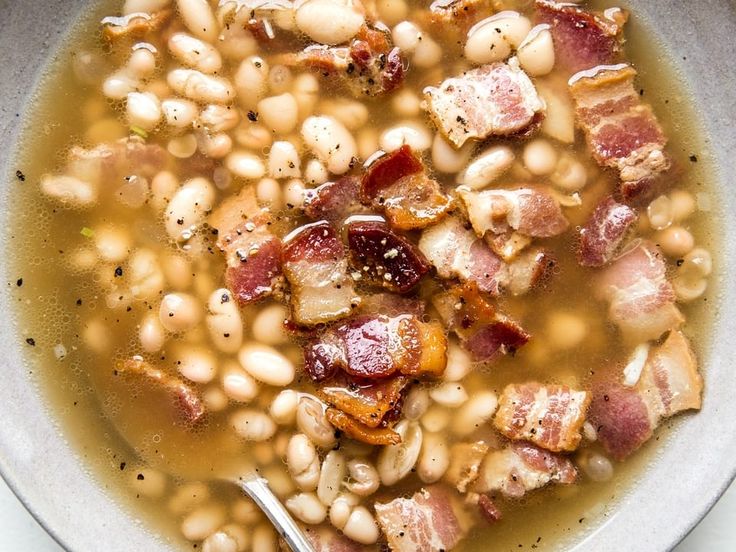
(80, 388)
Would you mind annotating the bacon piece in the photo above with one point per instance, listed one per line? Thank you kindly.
(522, 467)
(378, 346)
(397, 185)
(385, 258)
(367, 401)
(492, 100)
(641, 300)
(622, 132)
(368, 66)
(529, 270)
(465, 464)
(583, 38)
(529, 211)
(488, 509)
(483, 331)
(603, 233)
(316, 267)
(547, 415)
(625, 417)
(252, 252)
(432, 519)
(333, 201)
(361, 432)
(135, 26)
(186, 401)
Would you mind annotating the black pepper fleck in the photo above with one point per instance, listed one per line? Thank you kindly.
(140, 477)
(19, 282)
(693, 158)
(252, 116)
(118, 271)
(31, 341)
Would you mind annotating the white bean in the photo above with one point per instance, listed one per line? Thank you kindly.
(253, 136)
(280, 79)
(311, 420)
(364, 479)
(406, 103)
(163, 188)
(188, 207)
(341, 508)
(237, 383)
(675, 241)
(188, 496)
(416, 403)
(540, 158)
(689, 289)
(487, 167)
(223, 321)
(435, 419)
(268, 325)
(283, 161)
(410, 133)
(252, 425)
(215, 400)
(199, 87)
(146, 276)
(151, 334)
(245, 165)
(406, 35)
(303, 462)
(427, 53)
(179, 113)
(659, 212)
(178, 271)
(220, 542)
(279, 113)
(264, 539)
(179, 312)
(434, 458)
(396, 461)
(215, 146)
(493, 38)
(392, 11)
(559, 120)
(367, 142)
(306, 93)
(597, 467)
(361, 526)
(113, 244)
(566, 330)
(331, 142)
(474, 413)
(570, 174)
(266, 364)
(148, 482)
(195, 53)
(196, 363)
(446, 158)
(537, 53)
(450, 394)
(268, 193)
(683, 204)
(118, 85)
(334, 470)
(202, 522)
(182, 147)
(69, 190)
(283, 408)
(219, 118)
(199, 19)
(144, 6)
(294, 193)
(459, 362)
(239, 534)
(143, 110)
(329, 21)
(315, 173)
(251, 81)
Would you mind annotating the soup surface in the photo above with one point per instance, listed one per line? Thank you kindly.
(434, 270)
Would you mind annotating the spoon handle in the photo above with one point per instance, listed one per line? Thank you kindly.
(257, 489)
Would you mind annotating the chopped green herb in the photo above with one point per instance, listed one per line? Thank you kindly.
(87, 232)
(139, 131)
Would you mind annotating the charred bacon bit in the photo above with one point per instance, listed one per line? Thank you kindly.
(530, 211)
(488, 509)
(625, 417)
(368, 66)
(493, 100)
(397, 184)
(457, 253)
(135, 26)
(361, 432)
(484, 332)
(604, 232)
(385, 258)
(378, 346)
(367, 401)
(333, 201)
(252, 252)
(432, 519)
(316, 267)
(465, 464)
(622, 131)
(185, 399)
(582, 38)
(522, 467)
(641, 300)
(549, 416)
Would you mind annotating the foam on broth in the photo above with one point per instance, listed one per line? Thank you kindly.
(55, 305)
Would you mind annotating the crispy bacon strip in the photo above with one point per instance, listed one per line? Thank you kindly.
(333, 201)
(522, 467)
(361, 432)
(432, 519)
(641, 300)
(625, 417)
(603, 233)
(397, 185)
(622, 131)
(493, 100)
(549, 416)
(185, 399)
(135, 26)
(252, 252)
(316, 267)
(378, 346)
(583, 38)
(383, 257)
(484, 332)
